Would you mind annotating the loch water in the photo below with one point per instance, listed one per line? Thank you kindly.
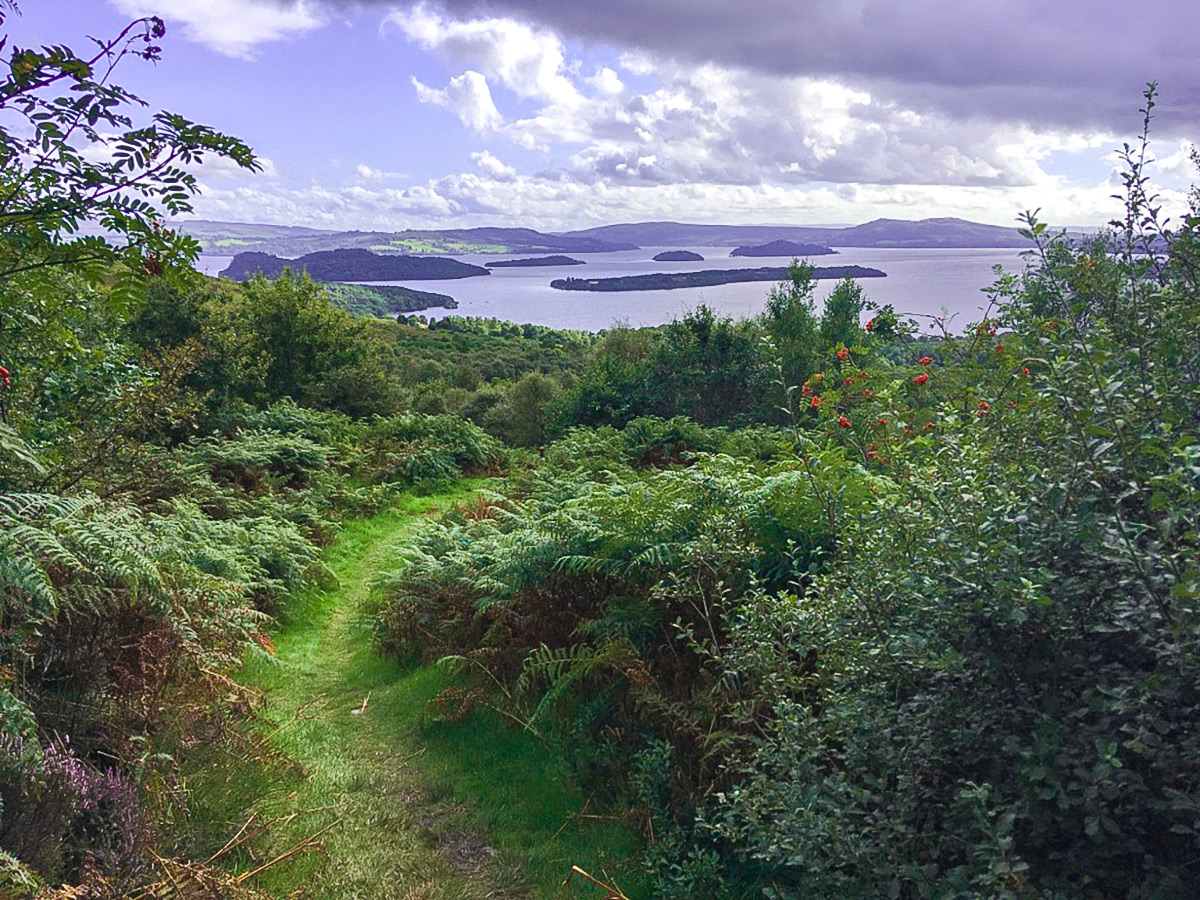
(924, 282)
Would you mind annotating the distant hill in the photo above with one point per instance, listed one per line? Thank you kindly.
(536, 240)
(923, 233)
(678, 256)
(929, 233)
(295, 241)
(292, 242)
(783, 248)
(205, 229)
(535, 261)
(351, 265)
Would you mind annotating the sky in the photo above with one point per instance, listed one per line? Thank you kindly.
(567, 114)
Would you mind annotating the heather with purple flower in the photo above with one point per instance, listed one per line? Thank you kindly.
(89, 814)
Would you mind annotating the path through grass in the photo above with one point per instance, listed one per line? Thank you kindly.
(416, 810)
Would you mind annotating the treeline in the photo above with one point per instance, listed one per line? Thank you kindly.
(713, 369)
(384, 299)
(527, 383)
(667, 281)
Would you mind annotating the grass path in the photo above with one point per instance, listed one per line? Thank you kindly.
(415, 810)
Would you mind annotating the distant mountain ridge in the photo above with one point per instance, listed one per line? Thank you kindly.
(922, 233)
(295, 241)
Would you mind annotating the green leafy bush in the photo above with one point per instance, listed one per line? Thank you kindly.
(1002, 700)
(412, 448)
(596, 600)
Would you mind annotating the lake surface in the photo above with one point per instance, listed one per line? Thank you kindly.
(928, 282)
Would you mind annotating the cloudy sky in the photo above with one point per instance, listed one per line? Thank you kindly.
(559, 114)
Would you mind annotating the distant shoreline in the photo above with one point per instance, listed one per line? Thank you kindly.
(667, 281)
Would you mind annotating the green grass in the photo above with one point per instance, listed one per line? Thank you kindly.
(425, 809)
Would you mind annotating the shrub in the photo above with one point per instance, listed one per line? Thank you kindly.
(415, 447)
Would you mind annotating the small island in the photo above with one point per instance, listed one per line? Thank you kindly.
(669, 281)
(784, 248)
(535, 261)
(678, 256)
(384, 300)
(351, 265)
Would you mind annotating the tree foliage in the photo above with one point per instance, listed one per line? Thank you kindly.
(61, 109)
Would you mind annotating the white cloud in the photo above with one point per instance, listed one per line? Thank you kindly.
(1072, 64)
(1180, 163)
(493, 167)
(220, 167)
(714, 124)
(468, 97)
(525, 61)
(232, 27)
(607, 82)
(368, 173)
(485, 197)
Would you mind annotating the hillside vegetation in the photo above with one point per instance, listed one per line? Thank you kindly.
(812, 604)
